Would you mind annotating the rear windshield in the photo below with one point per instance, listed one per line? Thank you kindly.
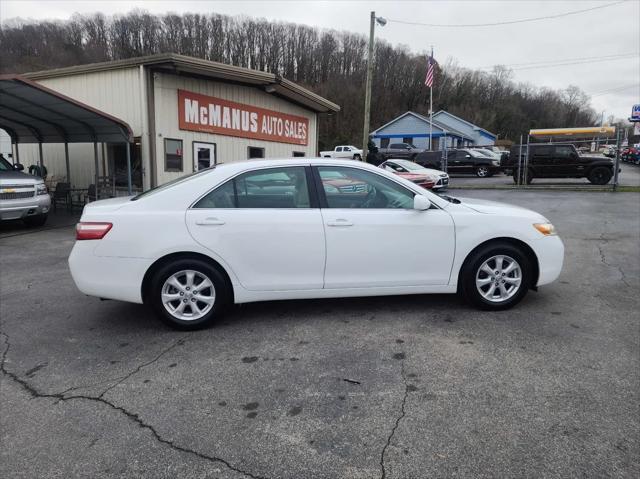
(172, 183)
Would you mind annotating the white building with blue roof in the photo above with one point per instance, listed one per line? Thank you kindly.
(448, 129)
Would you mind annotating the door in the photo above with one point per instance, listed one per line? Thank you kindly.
(454, 162)
(374, 236)
(204, 155)
(542, 162)
(266, 226)
(566, 162)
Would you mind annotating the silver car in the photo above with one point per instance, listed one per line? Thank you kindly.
(22, 196)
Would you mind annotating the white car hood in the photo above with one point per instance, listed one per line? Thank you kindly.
(496, 208)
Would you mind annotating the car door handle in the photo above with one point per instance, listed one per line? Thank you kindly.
(340, 222)
(210, 222)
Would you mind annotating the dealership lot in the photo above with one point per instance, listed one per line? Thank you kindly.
(413, 386)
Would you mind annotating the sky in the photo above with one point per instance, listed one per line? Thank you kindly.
(577, 41)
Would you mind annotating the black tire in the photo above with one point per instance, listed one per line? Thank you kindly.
(221, 289)
(467, 281)
(482, 172)
(36, 220)
(600, 175)
(357, 157)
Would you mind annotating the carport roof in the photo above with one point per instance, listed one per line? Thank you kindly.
(32, 113)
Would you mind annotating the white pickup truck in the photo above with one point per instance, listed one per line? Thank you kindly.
(343, 151)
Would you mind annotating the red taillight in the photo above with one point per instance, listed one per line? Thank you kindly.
(92, 230)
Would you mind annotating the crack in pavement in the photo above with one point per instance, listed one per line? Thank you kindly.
(605, 241)
(179, 342)
(398, 419)
(132, 416)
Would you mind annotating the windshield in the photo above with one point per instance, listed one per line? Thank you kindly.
(409, 165)
(5, 165)
(484, 152)
(477, 154)
(172, 183)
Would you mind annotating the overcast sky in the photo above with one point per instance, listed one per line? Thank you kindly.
(614, 30)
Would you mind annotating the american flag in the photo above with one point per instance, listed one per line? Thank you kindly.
(431, 66)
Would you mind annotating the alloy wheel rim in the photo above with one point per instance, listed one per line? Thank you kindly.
(499, 278)
(188, 295)
(482, 171)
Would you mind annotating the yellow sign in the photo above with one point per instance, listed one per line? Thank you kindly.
(586, 131)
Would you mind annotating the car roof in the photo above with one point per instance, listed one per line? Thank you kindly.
(239, 166)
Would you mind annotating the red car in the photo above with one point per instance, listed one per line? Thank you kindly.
(425, 177)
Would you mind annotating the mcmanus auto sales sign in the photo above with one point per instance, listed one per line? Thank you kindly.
(214, 115)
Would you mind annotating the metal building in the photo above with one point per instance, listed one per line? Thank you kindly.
(185, 113)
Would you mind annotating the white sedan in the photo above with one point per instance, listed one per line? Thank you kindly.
(305, 228)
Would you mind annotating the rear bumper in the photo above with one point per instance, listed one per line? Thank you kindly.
(550, 253)
(21, 208)
(107, 277)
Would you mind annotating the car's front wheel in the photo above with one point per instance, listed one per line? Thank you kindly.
(496, 277)
(482, 172)
(600, 175)
(188, 293)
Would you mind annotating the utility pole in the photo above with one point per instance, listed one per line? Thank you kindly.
(367, 94)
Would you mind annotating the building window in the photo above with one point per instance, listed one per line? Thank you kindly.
(172, 155)
(254, 152)
(384, 143)
(297, 154)
(408, 140)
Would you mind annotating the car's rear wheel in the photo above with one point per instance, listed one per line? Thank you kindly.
(482, 171)
(600, 175)
(496, 277)
(524, 179)
(357, 157)
(36, 220)
(188, 293)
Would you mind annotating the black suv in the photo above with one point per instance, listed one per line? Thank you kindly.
(557, 161)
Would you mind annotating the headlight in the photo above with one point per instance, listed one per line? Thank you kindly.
(546, 229)
(41, 189)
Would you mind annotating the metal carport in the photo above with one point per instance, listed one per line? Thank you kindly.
(32, 113)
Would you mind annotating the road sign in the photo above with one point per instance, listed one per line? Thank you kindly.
(635, 113)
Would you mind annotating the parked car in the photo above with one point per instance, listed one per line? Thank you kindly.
(425, 177)
(559, 161)
(429, 159)
(22, 196)
(631, 155)
(199, 243)
(343, 151)
(469, 160)
(404, 151)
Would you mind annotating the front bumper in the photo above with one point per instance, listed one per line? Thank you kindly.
(442, 183)
(550, 253)
(21, 208)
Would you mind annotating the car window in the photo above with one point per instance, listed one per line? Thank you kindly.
(542, 152)
(268, 188)
(563, 151)
(346, 148)
(397, 146)
(338, 148)
(356, 188)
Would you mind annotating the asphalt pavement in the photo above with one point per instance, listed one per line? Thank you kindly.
(389, 387)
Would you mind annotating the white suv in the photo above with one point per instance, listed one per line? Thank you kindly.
(22, 196)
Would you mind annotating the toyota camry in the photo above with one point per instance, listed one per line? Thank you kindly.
(305, 228)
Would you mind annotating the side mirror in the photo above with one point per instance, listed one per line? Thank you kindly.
(18, 167)
(421, 203)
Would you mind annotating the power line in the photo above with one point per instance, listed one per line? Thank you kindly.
(611, 90)
(569, 63)
(545, 62)
(508, 22)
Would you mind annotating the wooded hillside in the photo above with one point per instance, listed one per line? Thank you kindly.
(331, 63)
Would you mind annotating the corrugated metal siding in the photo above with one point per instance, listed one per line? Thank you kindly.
(81, 162)
(116, 92)
(228, 148)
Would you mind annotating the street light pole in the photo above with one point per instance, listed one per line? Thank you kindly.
(367, 94)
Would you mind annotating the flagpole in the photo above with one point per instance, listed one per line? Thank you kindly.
(431, 110)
